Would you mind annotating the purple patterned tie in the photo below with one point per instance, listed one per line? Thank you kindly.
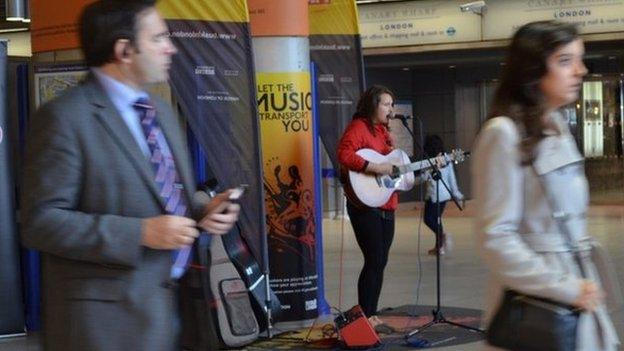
(165, 175)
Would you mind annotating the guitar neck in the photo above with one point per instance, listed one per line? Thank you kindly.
(419, 165)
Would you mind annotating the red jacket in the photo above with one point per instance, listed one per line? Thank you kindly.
(358, 136)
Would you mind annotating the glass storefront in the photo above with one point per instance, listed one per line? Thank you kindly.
(596, 121)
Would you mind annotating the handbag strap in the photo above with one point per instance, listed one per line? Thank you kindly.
(560, 216)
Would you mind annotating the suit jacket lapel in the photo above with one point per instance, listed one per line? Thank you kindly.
(109, 117)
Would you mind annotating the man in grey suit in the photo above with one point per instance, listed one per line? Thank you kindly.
(107, 192)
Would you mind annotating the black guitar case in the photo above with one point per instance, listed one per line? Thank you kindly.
(247, 266)
(250, 272)
(236, 319)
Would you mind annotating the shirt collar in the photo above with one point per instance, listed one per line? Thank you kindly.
(120, 94)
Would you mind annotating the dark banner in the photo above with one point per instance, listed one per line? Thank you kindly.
(338, 60)
(336, 51)
(212, 79)
(336, 54)
(11, 304)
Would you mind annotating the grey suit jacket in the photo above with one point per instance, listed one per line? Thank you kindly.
(86, 188)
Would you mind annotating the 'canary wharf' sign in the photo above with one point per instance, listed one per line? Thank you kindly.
(416, 22)
(503, 17)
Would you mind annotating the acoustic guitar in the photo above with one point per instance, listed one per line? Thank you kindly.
(375, 190)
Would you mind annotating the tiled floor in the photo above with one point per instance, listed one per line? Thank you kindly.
(463, 273)
(410, 275)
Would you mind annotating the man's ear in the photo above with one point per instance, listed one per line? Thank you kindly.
(122, 49)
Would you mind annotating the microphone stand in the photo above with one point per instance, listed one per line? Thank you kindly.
(435, 173)
(438, 317)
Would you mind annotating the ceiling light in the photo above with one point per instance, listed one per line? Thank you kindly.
(15, 10)
(12, 30)
(359, 2)
(26, 11)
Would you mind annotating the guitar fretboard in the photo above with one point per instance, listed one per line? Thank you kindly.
(422, 164)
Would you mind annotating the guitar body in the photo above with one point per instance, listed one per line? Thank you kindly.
(374, 191)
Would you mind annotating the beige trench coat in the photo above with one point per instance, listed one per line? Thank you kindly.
(518, 236)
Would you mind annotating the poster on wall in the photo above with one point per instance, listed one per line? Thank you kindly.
(285, 113)
(503, 17)
(52, 80)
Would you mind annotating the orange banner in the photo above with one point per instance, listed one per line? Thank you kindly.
(279, 18)
(54, 26)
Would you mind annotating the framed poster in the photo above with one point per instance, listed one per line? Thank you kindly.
(51, 80)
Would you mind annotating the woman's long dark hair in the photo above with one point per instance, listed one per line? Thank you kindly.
(433, 145)
(518, 95)
(368, 103)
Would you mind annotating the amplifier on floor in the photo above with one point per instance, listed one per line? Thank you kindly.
(355, 331)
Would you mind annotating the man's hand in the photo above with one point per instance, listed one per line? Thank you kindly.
(168, 232)
(220, 214)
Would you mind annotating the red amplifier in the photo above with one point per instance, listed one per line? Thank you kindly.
(355, 331)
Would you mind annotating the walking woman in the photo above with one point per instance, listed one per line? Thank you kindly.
(434, 146)
(525, 165)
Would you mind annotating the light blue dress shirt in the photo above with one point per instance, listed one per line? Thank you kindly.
(123, 97)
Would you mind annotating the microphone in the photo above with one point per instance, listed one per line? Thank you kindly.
(401, 117)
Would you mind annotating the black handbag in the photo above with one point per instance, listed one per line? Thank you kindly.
(530, 323)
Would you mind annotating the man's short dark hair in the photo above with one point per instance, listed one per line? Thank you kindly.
(104, 22)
